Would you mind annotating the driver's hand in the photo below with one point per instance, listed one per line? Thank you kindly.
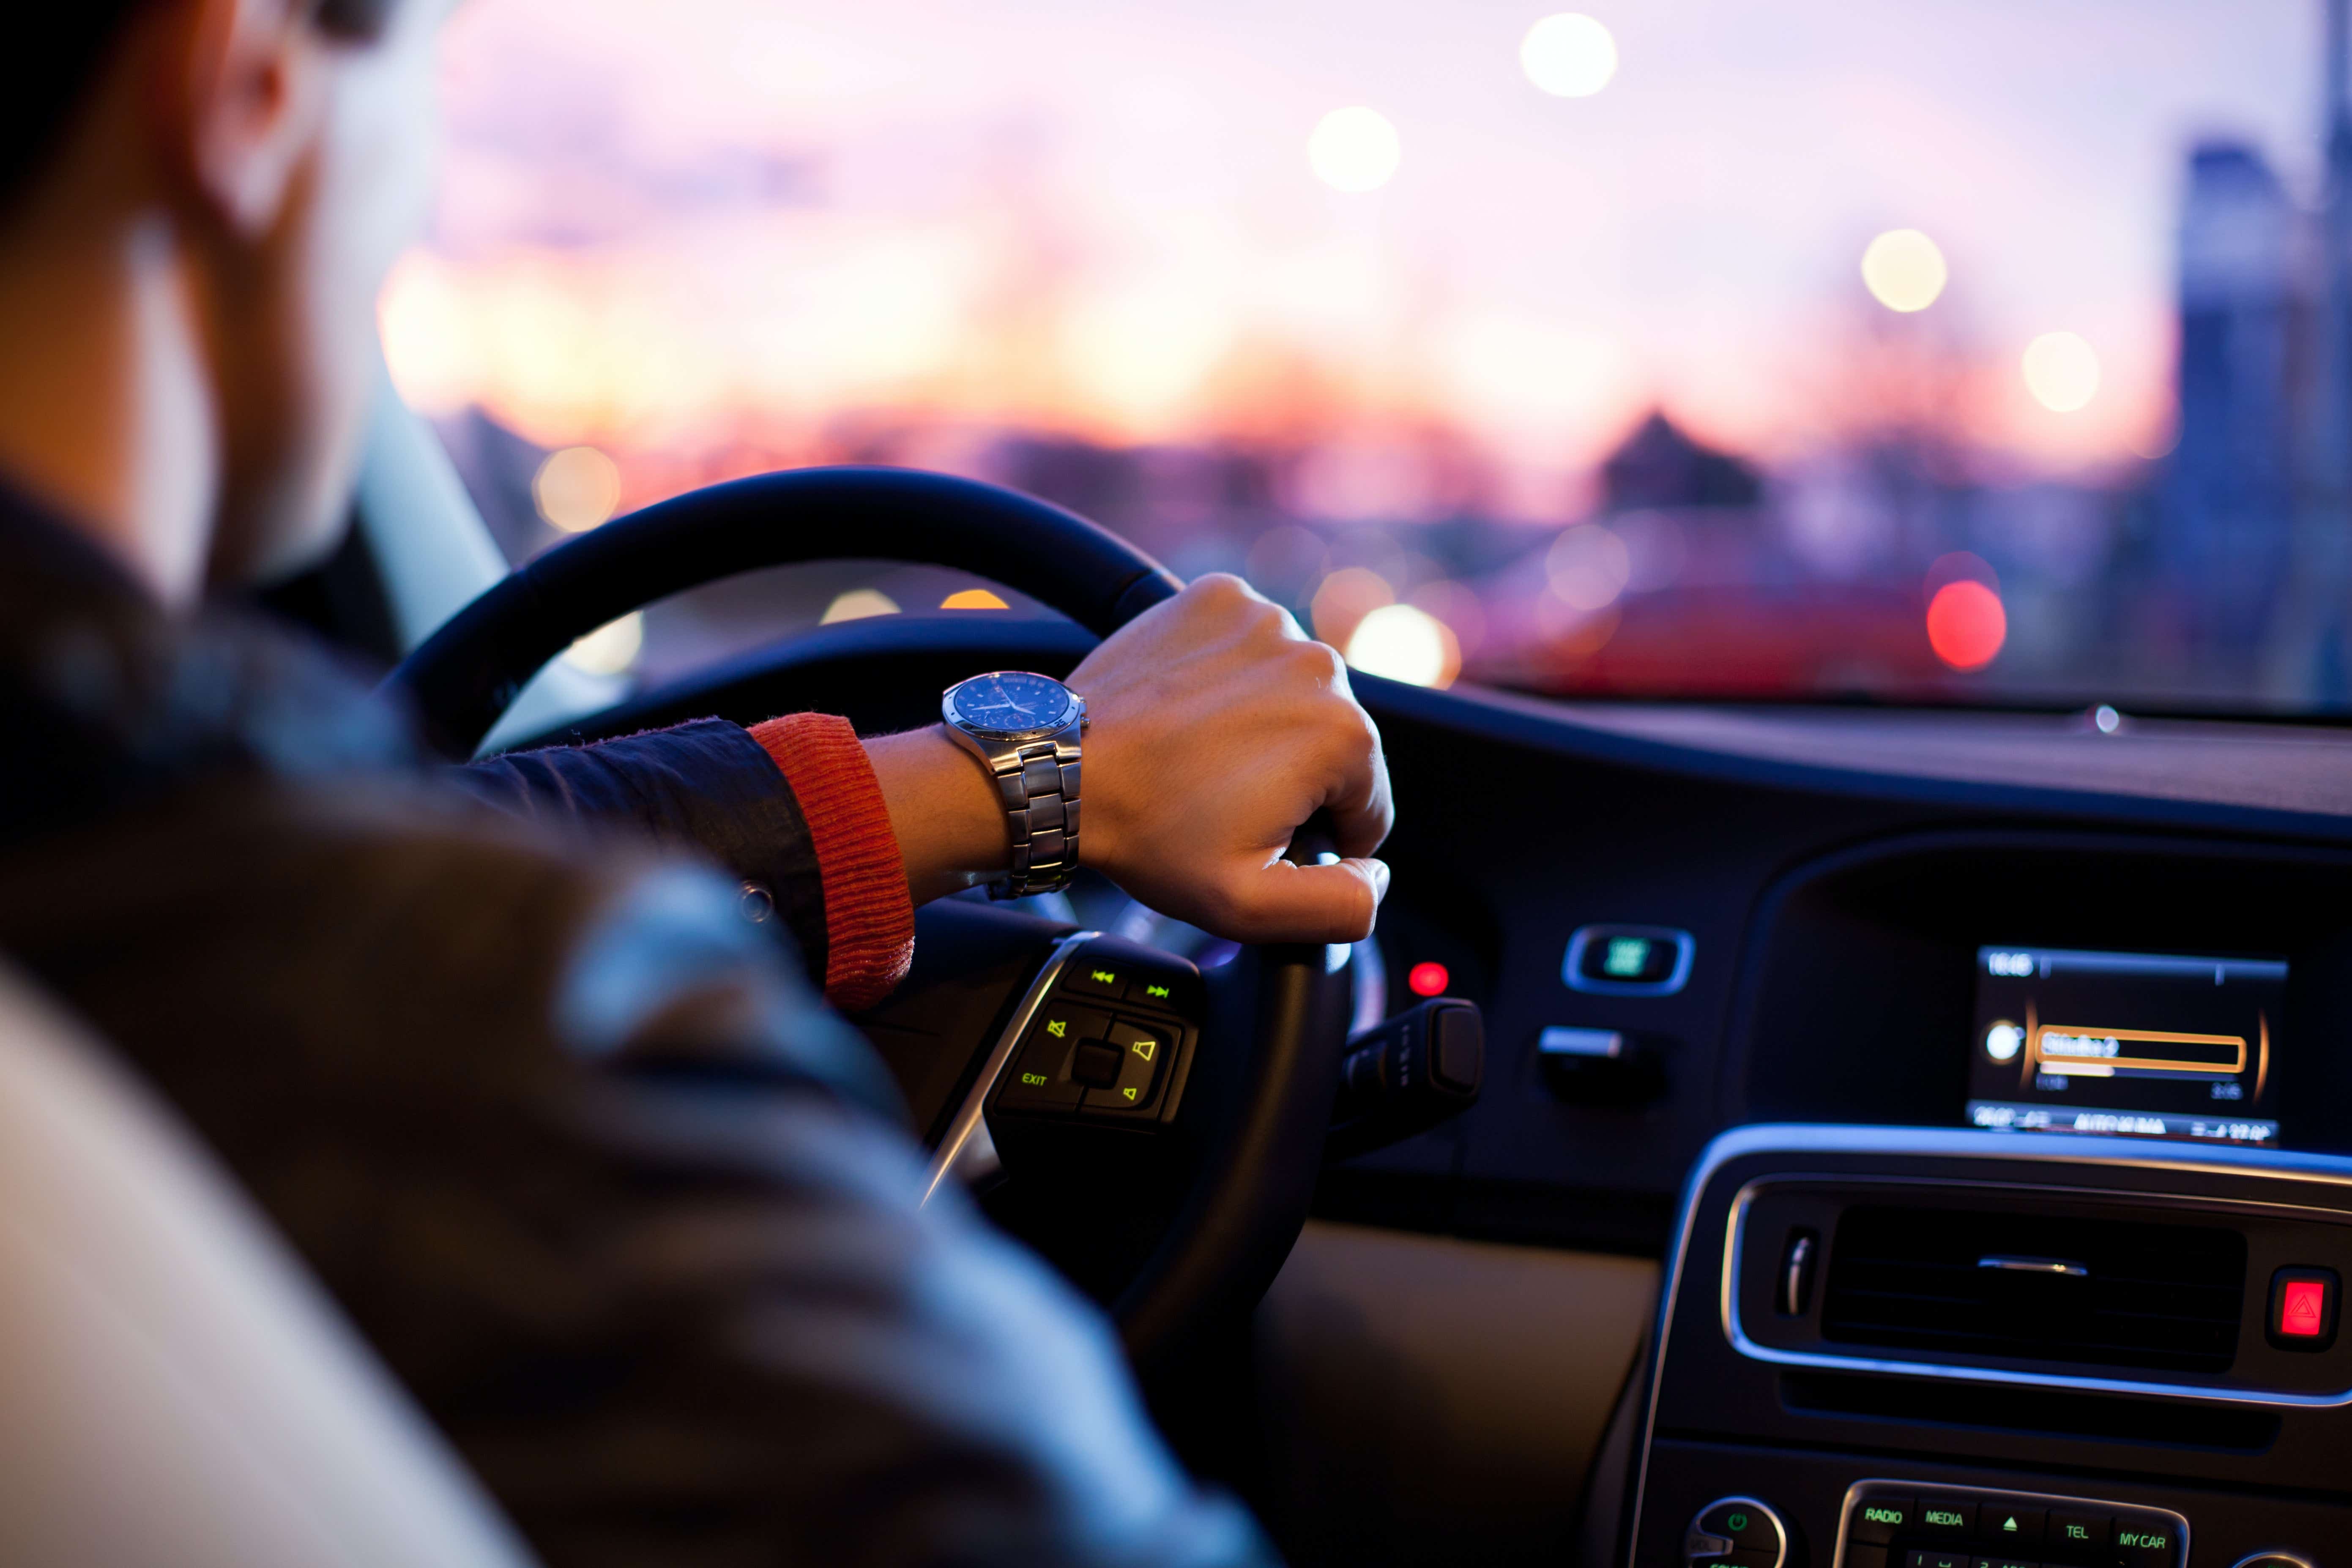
(1215, 728)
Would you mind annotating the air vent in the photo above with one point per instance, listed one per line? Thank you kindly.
(2036, 1288)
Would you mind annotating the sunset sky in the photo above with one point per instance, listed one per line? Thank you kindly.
(667, 227)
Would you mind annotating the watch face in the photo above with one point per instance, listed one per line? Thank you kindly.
(1012, 702)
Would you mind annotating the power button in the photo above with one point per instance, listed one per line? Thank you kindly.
(1735, 1532)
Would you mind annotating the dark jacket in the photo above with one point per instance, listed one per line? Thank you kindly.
(573, 1144)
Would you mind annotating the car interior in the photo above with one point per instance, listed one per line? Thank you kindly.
(1829, 1121)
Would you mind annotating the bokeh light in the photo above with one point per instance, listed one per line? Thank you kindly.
(1354, 149)
(974, 599)
(1569, 56)
(1405, 643)
(612, 648)
(857, 604)
(2061, 371)
(1427, 980)
(1458, 606)
(1904, 270)
(1966, 624)
(1588, 567)
(1342, 600)
(576, 489)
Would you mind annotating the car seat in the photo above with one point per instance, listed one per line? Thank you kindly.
(175, 1389)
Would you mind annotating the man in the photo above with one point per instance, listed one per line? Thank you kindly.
(622, 1204)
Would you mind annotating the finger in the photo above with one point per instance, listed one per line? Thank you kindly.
(1331, 903)
(1362, 811)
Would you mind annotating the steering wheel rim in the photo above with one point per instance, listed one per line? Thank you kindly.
(460, 679)
(1246, 1208)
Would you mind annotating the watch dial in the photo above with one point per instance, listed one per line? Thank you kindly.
(1011, 700)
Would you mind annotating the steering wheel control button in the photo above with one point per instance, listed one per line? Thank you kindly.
(1948, 1516)
(1095, 1064)
(1628, 960)
(2302, 1309)
(1735, 1532)
(1152, 990)
(1093, 977)
(2074, 1532)
(1040, 1080)
(2014, 1528)
(1877, 1520)
(1141, 1049)
(1042, 1076)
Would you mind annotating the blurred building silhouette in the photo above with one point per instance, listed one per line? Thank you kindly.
(2256, 535)
(2243, 303)
(1659, 465)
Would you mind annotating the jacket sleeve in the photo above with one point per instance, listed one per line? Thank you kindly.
(792, 807)
(617, 1199)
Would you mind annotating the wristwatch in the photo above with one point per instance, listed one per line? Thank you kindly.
(1024, 729)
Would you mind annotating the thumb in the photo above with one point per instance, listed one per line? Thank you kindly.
(1333, 902)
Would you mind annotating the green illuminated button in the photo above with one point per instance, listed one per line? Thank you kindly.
(2013, 1528)
(1746, 1526)
(1041, 1077)
(2076, 1535)
(2145, 1542)
(1939, 1558)
(1093, 977)
(1143, 1049)
(1879, 1519)
(1948, 1516)
(1626, 958)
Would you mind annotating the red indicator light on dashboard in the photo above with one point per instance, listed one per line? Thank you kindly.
(1428, 979)
(2304, 1309)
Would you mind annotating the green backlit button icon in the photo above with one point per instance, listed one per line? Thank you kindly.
(1106, 977)
(2009, 1525)
(1626, 956)
(1739, 1521)
(1034, 1080)
(1157, 993)
(1145, 1047)
(1057, 1028)
(1130, 1091)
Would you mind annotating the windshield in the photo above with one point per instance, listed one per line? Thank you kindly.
(1967, 350)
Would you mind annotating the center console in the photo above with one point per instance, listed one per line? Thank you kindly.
(1912, 1347)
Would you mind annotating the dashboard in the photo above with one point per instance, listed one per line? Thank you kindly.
(1979, 1079)
(1828, 892)
(1974, 1080)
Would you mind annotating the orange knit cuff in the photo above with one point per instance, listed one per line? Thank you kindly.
(869, 918)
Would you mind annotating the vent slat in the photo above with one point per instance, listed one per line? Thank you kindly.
(2165, 1297)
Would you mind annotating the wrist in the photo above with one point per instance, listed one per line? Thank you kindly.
(943, 810)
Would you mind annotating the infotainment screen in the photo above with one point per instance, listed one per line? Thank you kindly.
(2139, 1044)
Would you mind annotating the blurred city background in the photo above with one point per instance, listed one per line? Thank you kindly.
(1926, 350)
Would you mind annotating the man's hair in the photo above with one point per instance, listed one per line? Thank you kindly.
(42, 85)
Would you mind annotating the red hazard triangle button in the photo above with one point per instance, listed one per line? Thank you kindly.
(2302, 1309)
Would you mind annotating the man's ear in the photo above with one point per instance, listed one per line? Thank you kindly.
(243, 102)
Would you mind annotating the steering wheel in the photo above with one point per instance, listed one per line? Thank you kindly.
(1234, 1165)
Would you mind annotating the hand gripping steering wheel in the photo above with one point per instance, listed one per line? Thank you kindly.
(1236, 1164)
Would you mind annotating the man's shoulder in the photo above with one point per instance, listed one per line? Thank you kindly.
(380, 926)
